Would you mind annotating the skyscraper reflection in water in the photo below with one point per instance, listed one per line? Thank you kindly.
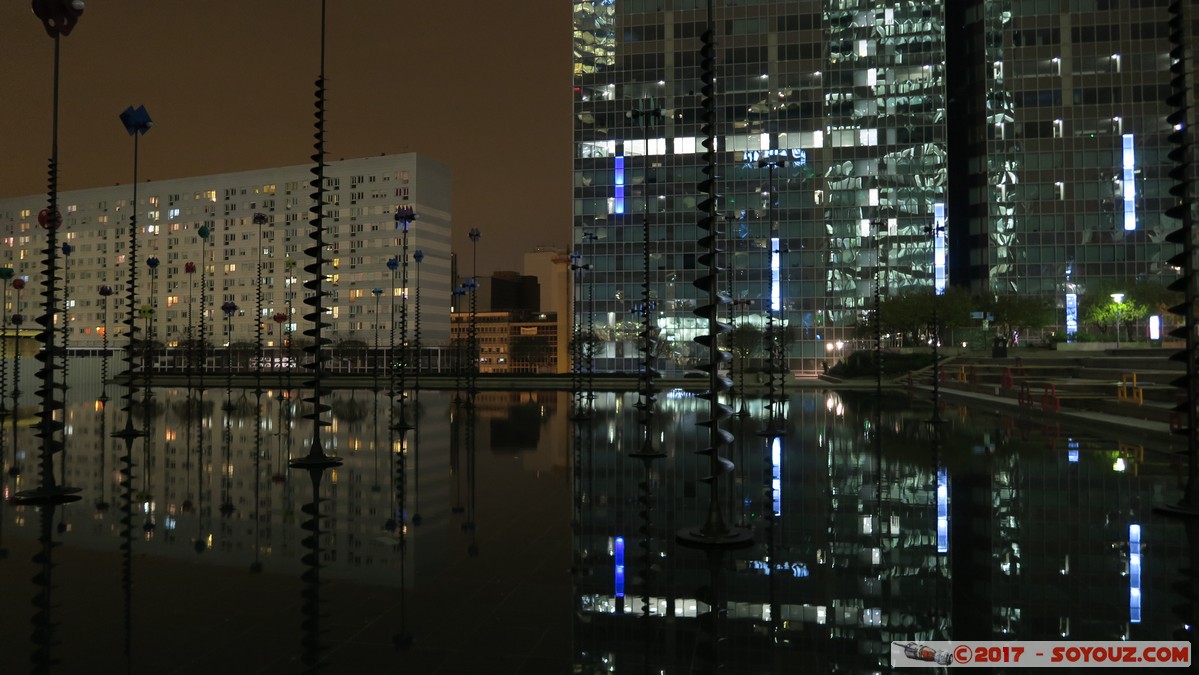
(1026, 535)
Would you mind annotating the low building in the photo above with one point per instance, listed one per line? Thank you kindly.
(510, 342)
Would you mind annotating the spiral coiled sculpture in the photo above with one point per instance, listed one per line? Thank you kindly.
(715, 531)
(1183, 156)
(58, 18)
(316, 462)
(403, 217)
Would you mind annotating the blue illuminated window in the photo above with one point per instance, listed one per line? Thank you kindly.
(618, 207)
(942, 511)
(1134, 573)
(1130, 184)
(939, 248)
(775, 293)
(618, 554)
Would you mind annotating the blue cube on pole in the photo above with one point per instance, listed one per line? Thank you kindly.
(136, 121)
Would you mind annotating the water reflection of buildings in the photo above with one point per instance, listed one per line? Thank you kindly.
(1024, 536)
(185, 486)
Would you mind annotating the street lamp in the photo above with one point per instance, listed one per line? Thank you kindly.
(1118, 298)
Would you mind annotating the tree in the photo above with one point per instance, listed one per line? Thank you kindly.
(1013, 311)
(1117, 314)
(746, 340)
(910, 314)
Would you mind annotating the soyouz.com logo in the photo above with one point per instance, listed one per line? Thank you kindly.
(1041, 654)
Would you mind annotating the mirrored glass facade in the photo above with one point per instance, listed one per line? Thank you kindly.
(1074, 146)
(1053, 109)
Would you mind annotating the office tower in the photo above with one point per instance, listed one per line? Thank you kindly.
(1064, 147)
(360, 237)
(1006, 146)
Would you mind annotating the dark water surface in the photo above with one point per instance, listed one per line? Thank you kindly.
(502, 551)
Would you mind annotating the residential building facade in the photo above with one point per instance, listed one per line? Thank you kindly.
(241, 256)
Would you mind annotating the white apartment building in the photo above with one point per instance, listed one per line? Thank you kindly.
(362, 196)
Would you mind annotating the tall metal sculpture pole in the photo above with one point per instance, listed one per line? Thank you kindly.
(58, 19)
(578, 359)
(201, 346)
(67, 250)
(6, 275)
(715, 535)
(403, 217)
(260, 219)
(1182, 100)
(393, 264)
(715, 532)
(17, 319)
(418, 256)
(317, 461)
(591, 341)
(473, 341)
(377, 292)
(777, 361)
(647, 116)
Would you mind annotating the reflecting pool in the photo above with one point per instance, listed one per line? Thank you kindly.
(508, 537)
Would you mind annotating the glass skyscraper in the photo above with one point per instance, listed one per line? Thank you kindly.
(1007, 146)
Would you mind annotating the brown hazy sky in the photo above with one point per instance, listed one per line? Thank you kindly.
(481, 86)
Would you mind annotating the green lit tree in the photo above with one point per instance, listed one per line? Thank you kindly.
(1117, 315)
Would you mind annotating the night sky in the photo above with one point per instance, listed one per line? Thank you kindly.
(481, 86)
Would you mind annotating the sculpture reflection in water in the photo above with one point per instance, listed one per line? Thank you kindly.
(1012, 532)
(1052, 553)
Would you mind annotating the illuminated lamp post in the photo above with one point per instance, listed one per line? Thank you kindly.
(1118, 298)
